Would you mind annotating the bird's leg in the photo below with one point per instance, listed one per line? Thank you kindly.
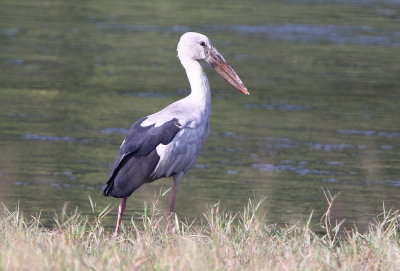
(177, 179)
(173, 198)
(121, 208)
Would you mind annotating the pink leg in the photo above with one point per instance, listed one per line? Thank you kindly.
(177, 179)
(121, 209)
(173, 199)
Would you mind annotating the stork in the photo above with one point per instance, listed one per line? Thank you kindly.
(168, 142)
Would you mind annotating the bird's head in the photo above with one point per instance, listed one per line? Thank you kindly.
(193, 45)
(196, 46)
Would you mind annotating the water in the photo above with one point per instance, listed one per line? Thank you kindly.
(323, 110)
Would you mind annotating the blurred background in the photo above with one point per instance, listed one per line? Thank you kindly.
(324, 109)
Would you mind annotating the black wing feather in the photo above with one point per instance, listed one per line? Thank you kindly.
(143, 140)
(137, 157)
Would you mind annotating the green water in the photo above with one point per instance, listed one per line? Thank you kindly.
(324, 109)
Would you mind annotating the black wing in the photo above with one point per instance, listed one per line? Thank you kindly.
(137, 157)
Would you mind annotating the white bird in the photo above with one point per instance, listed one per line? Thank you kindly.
(168, 142)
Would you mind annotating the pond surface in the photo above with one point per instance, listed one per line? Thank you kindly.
(324, 109)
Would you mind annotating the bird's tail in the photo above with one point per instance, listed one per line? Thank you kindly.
(109, 187)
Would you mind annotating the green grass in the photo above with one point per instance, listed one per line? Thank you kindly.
(218, 241)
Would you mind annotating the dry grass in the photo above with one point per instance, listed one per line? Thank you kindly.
(221, 241)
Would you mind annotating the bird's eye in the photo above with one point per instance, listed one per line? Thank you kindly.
(203, 43)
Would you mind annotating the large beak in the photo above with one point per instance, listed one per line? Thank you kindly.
(219, 63)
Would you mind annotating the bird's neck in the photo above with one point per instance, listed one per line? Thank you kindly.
(200, 87)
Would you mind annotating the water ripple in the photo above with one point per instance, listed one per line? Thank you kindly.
(9, 32)
(334, 147)
(395, 183)
(282, 143)
(116, 26)
(336, 34)
(304, 33)
(352, 2)
(368, 133)
(109, 131)
(287, 143)
(280, 107)
(48, 138)
(301, 170)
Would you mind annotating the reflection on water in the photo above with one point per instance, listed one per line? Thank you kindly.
(323, 109)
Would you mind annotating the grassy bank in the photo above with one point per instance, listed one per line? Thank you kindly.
(218, 241)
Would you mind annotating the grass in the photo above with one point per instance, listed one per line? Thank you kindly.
(219, 241)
